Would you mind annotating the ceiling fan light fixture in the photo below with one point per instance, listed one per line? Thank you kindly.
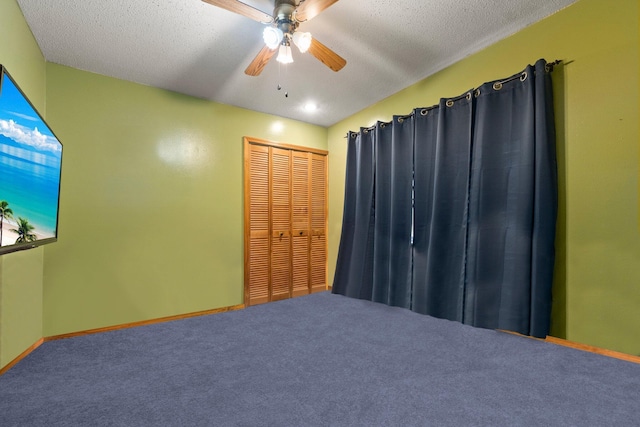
(281, 29)
(303, 41)
(284, 54)
(272, 37)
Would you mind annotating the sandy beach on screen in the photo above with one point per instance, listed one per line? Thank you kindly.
(9, 237)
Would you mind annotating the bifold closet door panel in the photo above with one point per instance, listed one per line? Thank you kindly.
(318, 232)
(280, 223)
(257, 257)
(301, 220)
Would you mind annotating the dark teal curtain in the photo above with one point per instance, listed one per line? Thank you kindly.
(451, 210)
(442, 152)
(393, 213)
(356, 241)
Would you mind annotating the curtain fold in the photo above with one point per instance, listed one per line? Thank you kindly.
(451, 211)
(354, 266)
(393, 216)
(501, 209)
(545, 203)
(512, 207)
(442, 147)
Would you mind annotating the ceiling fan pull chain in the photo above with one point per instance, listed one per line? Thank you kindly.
(279, 87)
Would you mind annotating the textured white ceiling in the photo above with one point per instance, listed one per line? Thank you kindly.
(194, 48)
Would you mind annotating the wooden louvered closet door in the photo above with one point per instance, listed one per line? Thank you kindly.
(300, 221)
(285, 221)
(257, 237)
(280, 189)
(318, 241)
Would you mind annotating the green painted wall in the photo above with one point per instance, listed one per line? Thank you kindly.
(151, 219)
(597, 292)
(20, 273)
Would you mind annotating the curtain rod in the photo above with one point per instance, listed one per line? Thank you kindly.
(548, 67)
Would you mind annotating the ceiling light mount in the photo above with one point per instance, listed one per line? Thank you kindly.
(284, 11)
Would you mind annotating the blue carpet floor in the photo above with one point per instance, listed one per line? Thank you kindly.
(318, 360)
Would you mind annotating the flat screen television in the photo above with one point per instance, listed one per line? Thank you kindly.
(30, 171)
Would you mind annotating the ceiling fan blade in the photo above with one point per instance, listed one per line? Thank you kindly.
(242, 9)
(326, 55)
(258, 63)
(310, 8)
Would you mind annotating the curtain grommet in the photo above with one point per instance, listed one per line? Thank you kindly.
(497, 86)
(400, 120)
(383, 125)
(523, 77)
(449, 103)
(424, 112)
(476, 93)
(468, 96)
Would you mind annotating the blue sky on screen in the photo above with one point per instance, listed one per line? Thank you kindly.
(20, 122)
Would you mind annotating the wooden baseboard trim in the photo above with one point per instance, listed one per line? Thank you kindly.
(117, 327)
(593, 349)
(145, 322)
(22, 356)
(583, 347)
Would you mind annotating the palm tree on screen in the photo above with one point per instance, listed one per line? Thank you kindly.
(5, 212)
(25, 231)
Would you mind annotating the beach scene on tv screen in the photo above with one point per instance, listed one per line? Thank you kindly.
(30, 158)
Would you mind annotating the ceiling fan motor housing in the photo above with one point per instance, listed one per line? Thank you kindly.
(283, 16)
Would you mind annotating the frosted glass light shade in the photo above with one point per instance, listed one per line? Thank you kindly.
(272, 37)
(284, 55)
(303, 41)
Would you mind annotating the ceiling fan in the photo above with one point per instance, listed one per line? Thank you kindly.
(281, 31)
